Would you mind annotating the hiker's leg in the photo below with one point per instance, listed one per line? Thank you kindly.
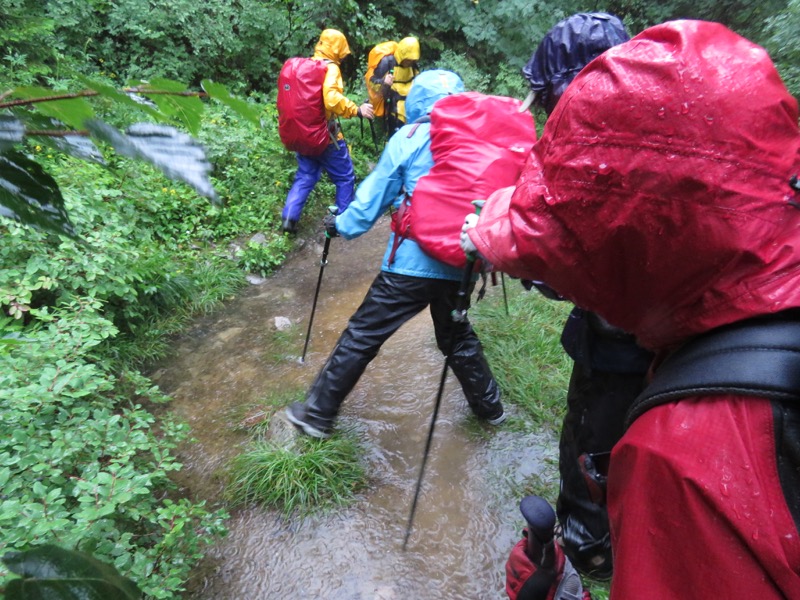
(391, 301)
(309, 170)
(339, 167)
(466, 359)
(597, 402)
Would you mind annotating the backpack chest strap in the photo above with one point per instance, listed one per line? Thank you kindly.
(758, 357)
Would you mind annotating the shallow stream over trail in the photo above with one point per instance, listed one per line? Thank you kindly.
(467, 517)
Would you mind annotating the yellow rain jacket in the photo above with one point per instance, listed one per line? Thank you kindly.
(333, 47)
(407, 49)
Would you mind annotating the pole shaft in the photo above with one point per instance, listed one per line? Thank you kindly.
(458, 315)
(322, 263)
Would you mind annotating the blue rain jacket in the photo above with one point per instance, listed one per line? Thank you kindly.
(406, 158)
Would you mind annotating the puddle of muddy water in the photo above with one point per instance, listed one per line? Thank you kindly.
(467, 520)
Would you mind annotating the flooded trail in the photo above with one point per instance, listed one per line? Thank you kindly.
(467, 518)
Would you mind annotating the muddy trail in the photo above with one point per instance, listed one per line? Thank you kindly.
(467, 518)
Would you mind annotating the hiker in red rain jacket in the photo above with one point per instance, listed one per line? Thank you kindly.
(663, 196)
(332, 48)
(609, 367)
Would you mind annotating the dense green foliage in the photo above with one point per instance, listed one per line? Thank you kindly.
(242, 43)
(83, 461)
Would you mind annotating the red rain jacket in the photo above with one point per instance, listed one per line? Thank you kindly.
(659, 197)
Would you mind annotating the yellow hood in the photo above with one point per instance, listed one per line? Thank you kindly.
(332, 45)
(407, 48)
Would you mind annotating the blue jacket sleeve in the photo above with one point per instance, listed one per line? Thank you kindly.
(375, 194)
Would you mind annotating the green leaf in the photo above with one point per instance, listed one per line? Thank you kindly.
(72, 111)
(187, 109)
(12, 131)
(178, 155)
(218, 92)
(52, 573)
(29, 195)
(124, 98)
(79, 146)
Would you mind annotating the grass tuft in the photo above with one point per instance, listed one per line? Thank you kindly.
(310, 476)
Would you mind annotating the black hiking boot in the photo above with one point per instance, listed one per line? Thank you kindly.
(297, 413)
(289, 226)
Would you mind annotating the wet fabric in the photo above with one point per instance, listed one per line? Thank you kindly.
(336, 162)
(568, 47)
(479, 144)
(391, 301)
(395, 96)
(405, 159)
(659, 198)
(697, 507)
(686, 164)
(332, 46)
(597, 402)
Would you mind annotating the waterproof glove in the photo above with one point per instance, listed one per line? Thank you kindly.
(525, 580)
(329, 222)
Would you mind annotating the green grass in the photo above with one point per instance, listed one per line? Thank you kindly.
(524, 350)
(306, 477)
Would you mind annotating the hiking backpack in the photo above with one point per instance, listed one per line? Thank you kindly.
(302, 125)
(375, 56)
(479, 144)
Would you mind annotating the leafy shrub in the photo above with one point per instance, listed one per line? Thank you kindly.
(81, 464)
(263, 258)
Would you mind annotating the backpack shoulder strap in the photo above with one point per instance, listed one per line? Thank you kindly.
(757, 357)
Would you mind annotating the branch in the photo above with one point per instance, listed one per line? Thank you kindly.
(55, 132)
(87, 93)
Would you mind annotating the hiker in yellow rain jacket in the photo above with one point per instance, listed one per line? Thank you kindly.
(394, 76)
(332, 47)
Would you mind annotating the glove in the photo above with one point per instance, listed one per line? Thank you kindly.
(526, 580)
(466, 244)
(329, 223)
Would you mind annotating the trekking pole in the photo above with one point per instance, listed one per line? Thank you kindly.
(541, 518)
(458, 315)
(323, 261)
(505, 296)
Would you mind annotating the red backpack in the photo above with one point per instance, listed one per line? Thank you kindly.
(302, 125)
(479, 144)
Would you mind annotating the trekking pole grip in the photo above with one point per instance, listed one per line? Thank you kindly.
(541, 519)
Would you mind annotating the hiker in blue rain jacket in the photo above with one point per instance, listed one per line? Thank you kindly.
(412, 282)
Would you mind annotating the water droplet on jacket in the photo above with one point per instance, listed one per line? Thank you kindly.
(685, 108)
(603, 169)
(709, 120)
(755, 535)
(662, 112)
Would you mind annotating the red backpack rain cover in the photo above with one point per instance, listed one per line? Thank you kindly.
(479, 144)
(302, 125)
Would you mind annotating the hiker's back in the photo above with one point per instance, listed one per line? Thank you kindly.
(479, 144)
(302, 125)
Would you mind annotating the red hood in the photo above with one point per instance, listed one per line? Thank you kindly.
(658, 195)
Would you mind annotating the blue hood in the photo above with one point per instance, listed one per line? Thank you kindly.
(428, 87)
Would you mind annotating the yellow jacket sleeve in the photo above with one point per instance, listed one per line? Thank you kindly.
(336, 103)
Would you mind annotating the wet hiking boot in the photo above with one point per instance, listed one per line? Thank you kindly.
(496, 420)
(289, 226)
(297, 413)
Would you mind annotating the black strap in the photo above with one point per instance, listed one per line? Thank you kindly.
(758, 357)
